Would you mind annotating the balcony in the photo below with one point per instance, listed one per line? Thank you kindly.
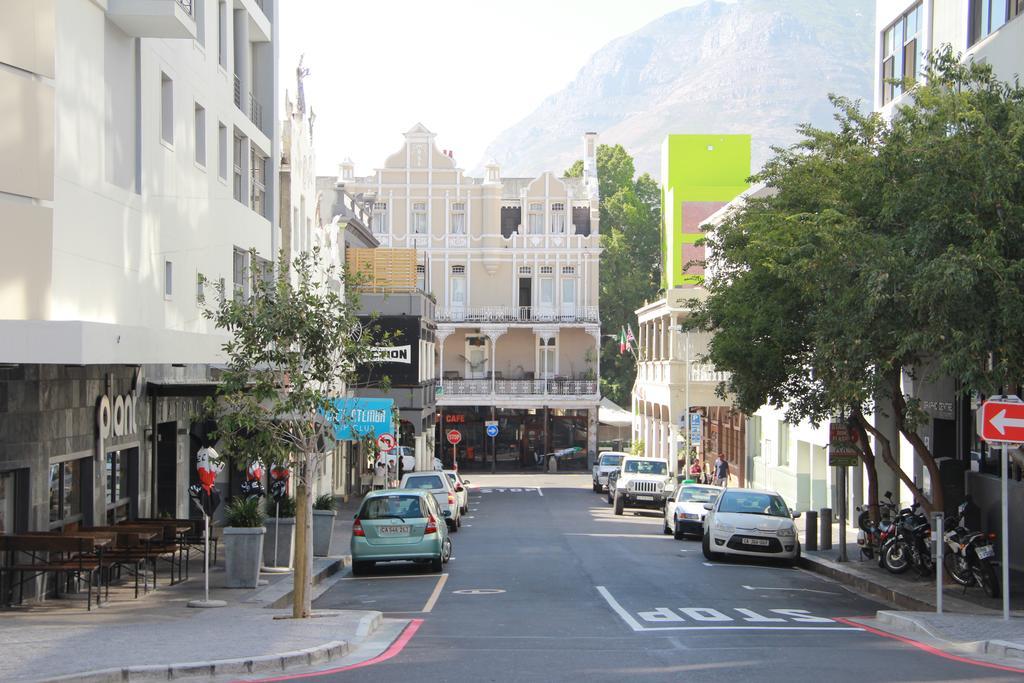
(249, 105)
(497, 389)
(518, 314)
(154, 18)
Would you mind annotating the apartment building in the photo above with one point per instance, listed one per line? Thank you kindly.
(299, 217)
(138, 153)
(700, 174)
(513, 266)
(983, 31)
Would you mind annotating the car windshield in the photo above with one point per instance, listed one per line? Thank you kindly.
(386, 507)
(646, 467)
(611, 459)
(692, 494)
(428, 481)
(753, 504)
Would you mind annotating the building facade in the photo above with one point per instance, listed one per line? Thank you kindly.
(144, 157)
(700, 174)
(513, 266)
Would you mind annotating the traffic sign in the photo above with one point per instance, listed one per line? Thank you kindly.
(843, 446)
(695, 429)
(492, 430)
(1002, 420)
(454, 436)
(386, 442)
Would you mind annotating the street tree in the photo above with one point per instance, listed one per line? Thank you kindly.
(294, 346)
(630, 274)
(890, 251)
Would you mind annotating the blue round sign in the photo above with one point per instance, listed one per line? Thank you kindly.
(492, 431)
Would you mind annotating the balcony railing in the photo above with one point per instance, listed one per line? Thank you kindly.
(252, 108)
(187, 6)
(518, 387)
(518, 314)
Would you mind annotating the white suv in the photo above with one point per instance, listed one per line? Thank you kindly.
(444, 493)
(610, 460)
(642, 483)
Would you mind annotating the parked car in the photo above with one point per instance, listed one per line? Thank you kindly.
(612, 478)
(641, 483)
(394, 525)
(610, 460)
(461, 490)
(752, 523)
(684, 511)
(438, 484)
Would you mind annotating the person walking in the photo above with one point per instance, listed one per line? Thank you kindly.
(721, 471)
(697, 471)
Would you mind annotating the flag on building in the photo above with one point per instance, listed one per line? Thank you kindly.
(622, 341)
(630, 339)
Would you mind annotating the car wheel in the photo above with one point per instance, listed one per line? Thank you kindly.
(705, 546)
(610, 499)
(678, 535)
(464, 509)
(453, 527)
(437, 564)
(664, 527)
(361, 568)
(795, 562)
(446, 550)
(596, 487)
(620, 503)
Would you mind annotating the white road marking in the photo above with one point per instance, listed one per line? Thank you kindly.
(805, 590)
(541, 493)
(646, 536)
(479, 591)
(707, 564)
(470, 517)
(398, 576)
(623, 614)
(432, 600)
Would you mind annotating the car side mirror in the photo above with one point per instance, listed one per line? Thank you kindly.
(796, 515)
(447, 513)
(459, 488)
(709, 506)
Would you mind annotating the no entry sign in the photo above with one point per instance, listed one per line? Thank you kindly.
(454, 436)
(1002, 420)
(386, 442)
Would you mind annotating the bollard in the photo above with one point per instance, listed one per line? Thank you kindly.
(825, 515)
(811, 530)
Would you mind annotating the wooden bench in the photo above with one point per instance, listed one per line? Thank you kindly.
(51, 553)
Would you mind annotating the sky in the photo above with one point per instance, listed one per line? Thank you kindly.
(466, 69)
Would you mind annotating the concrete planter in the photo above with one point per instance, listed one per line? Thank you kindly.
(243, 551)
(323, 530)
(280, 534)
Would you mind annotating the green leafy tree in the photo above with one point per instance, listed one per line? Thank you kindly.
(630, 275)
(890, 250)
(294, 345)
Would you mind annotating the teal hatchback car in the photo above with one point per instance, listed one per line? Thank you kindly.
(399, 524)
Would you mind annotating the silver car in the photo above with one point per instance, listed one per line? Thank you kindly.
(444, 493)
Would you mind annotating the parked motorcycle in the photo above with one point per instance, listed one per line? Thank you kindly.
(909, 544)
(871, 536)
(969, 559)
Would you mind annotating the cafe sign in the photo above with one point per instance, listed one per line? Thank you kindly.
(116, 416)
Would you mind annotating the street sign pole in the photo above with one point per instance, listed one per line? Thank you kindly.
(1002, 424)
(1005, 530)
(940, 541)
(842, 515)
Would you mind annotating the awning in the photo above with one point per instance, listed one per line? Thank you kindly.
(609, 413)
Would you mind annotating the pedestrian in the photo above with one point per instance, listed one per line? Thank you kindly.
(697, 471)
(721, 471)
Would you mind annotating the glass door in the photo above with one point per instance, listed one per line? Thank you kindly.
(569, 297)
(458, 297)
(546, 296)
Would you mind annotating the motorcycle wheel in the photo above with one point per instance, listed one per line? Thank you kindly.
(987, 578)
(896, 558)
(957, 569)
(864, 521)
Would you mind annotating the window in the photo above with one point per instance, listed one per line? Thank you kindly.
(546, 293)
(458, 218)
(547, 357)
(238, 159)
(166, 109)
(257, 198)
(581, 219)
(568, 270)
(222, 34)
(119, 466)
(568, 295)
(546, 270)
(783, 444)
(262, 272)
(200, 125)
(392, 506)
(199, 13)
(558, 218)
(536, 226)
(419, 218)
(239, 273)
(987, 16)
(525, 270)
(200, 289)
(380, 218)
(66, 491)
(511, 217)
(458, 270)
(222, 151)
(421, 277)
(8, 502)
(168, 279)
(899, 53)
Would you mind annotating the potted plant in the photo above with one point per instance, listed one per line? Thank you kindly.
(279, 548)
(243, 542)
(324, 508)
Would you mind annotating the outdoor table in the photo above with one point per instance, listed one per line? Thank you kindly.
(81, 554)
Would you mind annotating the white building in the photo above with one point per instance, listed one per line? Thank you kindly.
(513, 265)
(139, 152)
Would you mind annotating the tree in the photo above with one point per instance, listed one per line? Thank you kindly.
(630, 274)
(890, 250)
(294, 346)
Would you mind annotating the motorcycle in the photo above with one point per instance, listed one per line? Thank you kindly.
(871, 536)
(909, 544)
(969, 559)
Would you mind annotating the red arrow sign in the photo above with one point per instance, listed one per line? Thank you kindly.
(1002, 419)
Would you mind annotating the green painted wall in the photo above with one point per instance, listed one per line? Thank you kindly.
(699, 170)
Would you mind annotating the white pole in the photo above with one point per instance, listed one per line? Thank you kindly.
(206, 557)
(277, 527)
(1005, 531)
(686, 408)
(940, 541)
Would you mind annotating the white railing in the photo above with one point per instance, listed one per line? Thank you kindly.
(518, 387)
(517, 314)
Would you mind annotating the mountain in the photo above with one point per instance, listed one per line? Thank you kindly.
(754, 66)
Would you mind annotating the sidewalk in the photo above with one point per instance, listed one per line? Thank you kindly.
(159, 636)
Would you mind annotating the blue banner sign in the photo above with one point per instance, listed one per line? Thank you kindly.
(360, 417)
(695, 428)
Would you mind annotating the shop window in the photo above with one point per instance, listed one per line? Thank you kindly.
(65, 492)
(118, 467)
(8, 503)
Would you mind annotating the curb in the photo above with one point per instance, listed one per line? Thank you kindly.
(1002, 648)
(284, 599)
(890, 595)
(996, 648)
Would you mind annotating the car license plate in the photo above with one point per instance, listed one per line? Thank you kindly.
(755, 541)
(645, 497)
(393, 531)
(984, 552)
